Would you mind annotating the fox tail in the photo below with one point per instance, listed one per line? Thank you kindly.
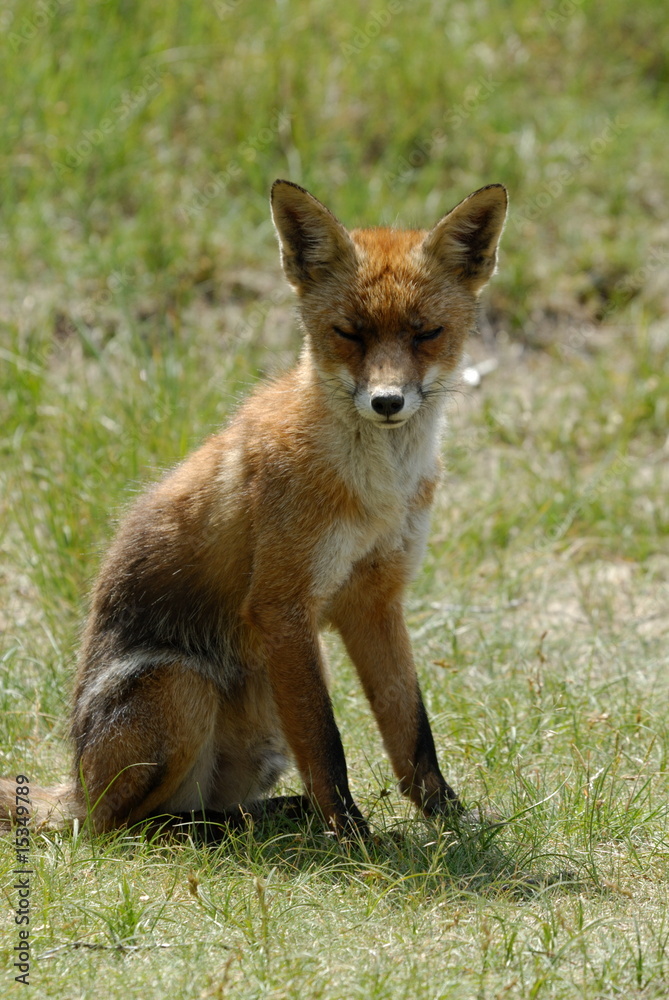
(46, 808)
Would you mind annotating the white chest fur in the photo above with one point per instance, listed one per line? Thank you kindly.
(384, 469)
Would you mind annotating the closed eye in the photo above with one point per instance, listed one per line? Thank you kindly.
(355, 337)
(428, 335)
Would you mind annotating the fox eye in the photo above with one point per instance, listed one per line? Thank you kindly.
(355, 337)
(428, 335)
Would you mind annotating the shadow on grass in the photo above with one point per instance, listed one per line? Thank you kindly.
(409, 855)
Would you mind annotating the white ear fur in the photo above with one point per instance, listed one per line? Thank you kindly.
(464, 243)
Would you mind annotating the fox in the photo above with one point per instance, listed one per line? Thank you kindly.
(201, 675)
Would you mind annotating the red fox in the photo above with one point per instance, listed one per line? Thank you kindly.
(201, 674)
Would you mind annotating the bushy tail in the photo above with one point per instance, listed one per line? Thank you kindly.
(48, 808)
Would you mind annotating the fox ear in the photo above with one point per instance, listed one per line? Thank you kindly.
(465, 241)
(312, 241)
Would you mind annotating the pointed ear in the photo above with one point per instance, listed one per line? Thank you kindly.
(311, 239)
(464, 242)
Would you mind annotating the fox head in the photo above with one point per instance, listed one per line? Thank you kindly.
(386, 311)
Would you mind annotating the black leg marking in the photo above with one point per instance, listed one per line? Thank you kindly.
(426, 763)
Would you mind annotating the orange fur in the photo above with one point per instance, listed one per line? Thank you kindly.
(201, 673)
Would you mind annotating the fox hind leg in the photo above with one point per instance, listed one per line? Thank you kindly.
(145, 744)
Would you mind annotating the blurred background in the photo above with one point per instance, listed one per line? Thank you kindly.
(141, 138)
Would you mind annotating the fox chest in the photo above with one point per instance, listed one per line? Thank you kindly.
(399, 526)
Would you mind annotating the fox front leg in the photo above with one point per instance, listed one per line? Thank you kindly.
(292, 655)
(369, 616)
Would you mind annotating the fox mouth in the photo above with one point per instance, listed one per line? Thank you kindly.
(385, 421)
(389, 421)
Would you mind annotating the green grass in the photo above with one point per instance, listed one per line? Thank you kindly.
(142, 298)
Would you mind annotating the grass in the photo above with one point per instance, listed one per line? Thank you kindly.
(142, 298)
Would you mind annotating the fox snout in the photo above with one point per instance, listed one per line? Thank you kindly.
(387, 402)
(387, 405)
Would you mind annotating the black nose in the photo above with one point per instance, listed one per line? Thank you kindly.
(387, 403)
